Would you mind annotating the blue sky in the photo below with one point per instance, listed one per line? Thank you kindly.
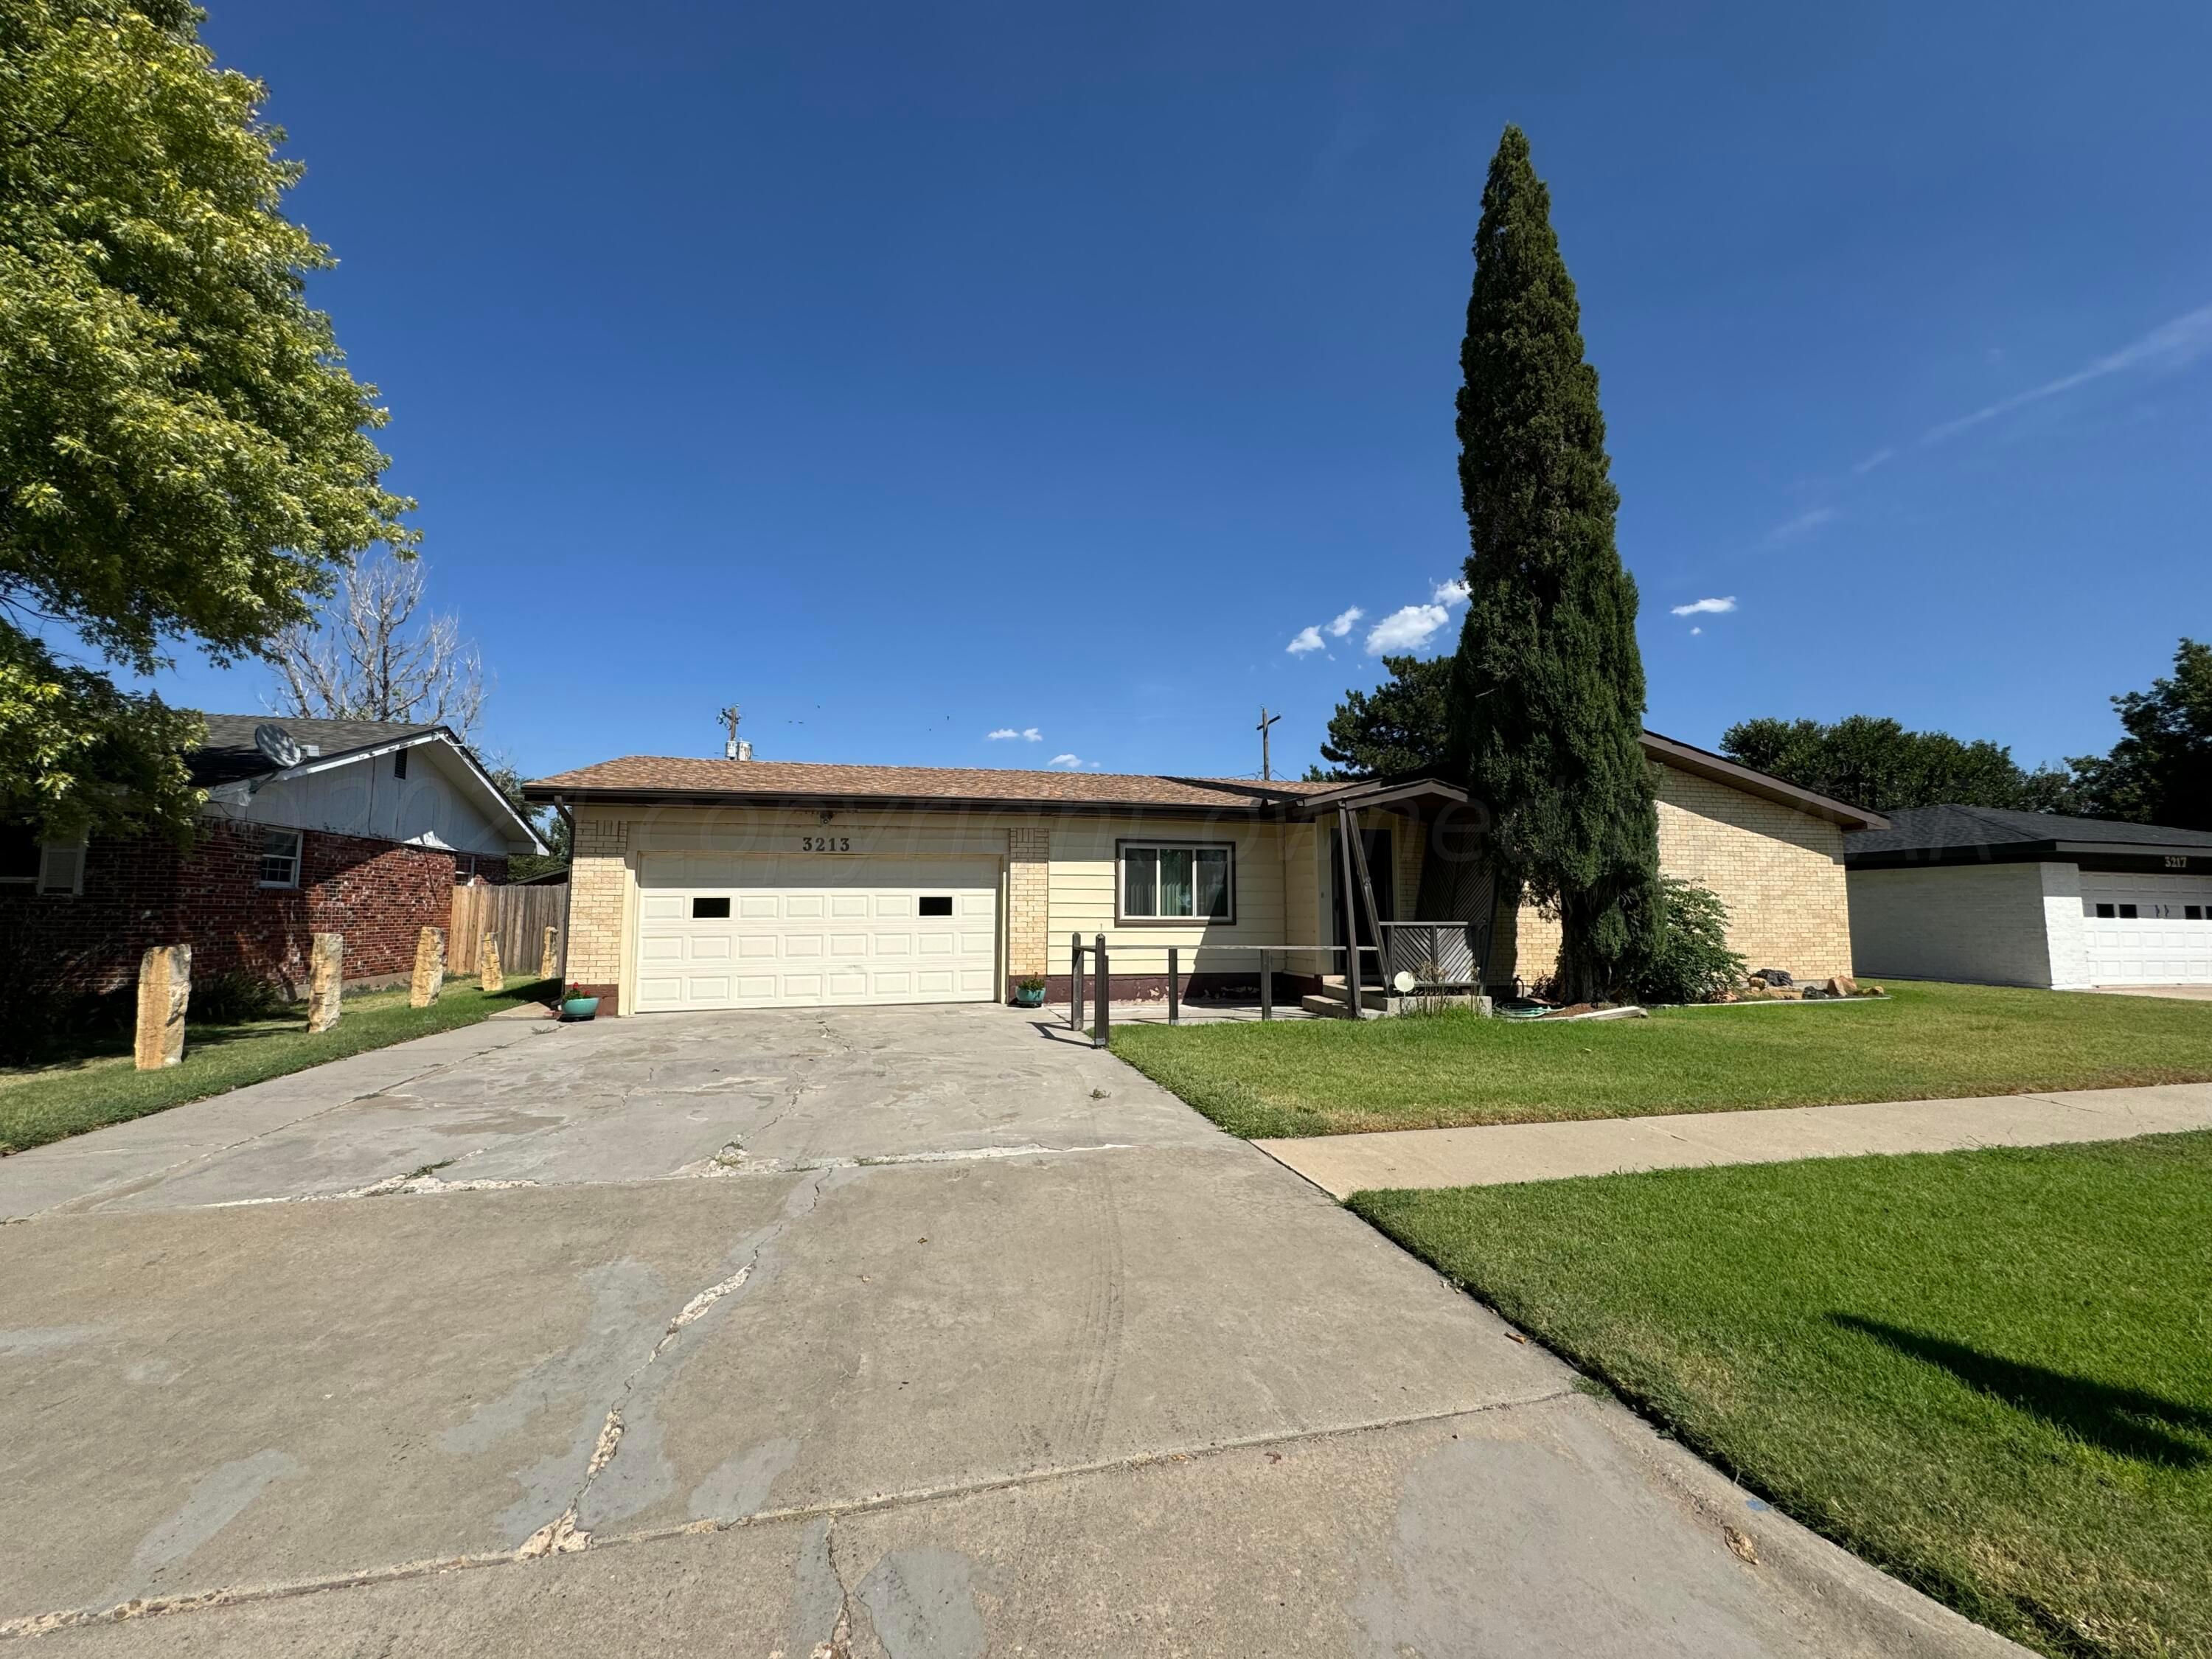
(911, 373)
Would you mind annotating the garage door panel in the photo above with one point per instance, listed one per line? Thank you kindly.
(2139, 929)
(776, 914)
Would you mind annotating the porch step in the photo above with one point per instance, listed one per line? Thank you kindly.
(1331, 999)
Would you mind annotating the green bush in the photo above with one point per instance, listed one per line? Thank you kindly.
(1686, 959)
(234, 996)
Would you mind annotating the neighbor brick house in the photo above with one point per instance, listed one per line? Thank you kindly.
(353, 827)
(700, 884)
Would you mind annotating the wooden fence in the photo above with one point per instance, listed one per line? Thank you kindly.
(518, 916)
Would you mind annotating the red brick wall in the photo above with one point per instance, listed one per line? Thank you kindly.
(376, 893)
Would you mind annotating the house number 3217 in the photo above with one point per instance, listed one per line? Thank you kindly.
(825, 843)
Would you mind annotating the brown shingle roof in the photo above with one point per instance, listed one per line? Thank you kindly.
(660, 776)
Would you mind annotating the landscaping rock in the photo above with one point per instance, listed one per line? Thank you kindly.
(1842, 985)
(164, 987)
(325, 979)
(430, 968)
(1777, 978)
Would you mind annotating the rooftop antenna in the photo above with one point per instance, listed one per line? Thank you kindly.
(731, 748)
(1267, 772)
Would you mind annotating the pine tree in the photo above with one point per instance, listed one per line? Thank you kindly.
(1548, 696)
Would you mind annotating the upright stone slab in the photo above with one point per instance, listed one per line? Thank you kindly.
(326, 980)
(548, 956)
(430, 969)
(489, 972)
(164, 986)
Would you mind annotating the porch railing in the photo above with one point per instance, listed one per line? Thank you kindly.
(1439, 955)
(1099, 954)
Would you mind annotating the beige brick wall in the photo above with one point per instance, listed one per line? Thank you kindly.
(1780, 872)
(1029, 901)
(598, 889)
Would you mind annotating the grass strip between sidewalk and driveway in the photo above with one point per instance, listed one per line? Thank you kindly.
(1988, 1372)
(1925, 1041)
(41, 1103)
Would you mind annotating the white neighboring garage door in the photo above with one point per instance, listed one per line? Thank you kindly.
(2147, 929)
(721, 931)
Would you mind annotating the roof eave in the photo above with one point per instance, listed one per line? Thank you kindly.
(543, 794)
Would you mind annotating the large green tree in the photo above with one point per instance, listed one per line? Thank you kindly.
(1547, 686)
(2161, 771)
(1878, 764)
(184, 458)
(1400, 728)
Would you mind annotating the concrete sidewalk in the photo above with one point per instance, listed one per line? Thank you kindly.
(1502, 1154)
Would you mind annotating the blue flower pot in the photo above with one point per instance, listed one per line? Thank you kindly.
(578, 1008)
(1029, 996)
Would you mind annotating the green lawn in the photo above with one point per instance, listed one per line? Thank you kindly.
(1988, 1372)
(1926, 1042)
(39, 1103)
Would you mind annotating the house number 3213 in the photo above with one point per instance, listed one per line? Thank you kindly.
(825, 843)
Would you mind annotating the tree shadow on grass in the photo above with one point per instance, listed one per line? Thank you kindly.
(2126, 1421)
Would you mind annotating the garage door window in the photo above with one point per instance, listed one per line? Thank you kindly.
(710, 909)
(1170, 881)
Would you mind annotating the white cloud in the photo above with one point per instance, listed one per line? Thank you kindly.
(1812, 519)
(1341, 624)
(1706, 607)
(1694, 632)
(1065, 760)
(1305, 640)
(1407, 628)
(2170, 345)
(1027, 734)
(1885, 453)
(1450, 594)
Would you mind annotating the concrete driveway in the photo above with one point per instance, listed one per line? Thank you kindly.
(918, 1333)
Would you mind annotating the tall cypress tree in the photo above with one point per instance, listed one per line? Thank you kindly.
(1547, 693)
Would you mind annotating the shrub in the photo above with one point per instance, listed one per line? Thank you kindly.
(235, 995)
(1686, 957)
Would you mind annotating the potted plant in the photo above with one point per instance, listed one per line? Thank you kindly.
(577, 1006)
(1029, 992)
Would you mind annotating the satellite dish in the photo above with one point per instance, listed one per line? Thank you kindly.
(1404, 982)
(278, 745)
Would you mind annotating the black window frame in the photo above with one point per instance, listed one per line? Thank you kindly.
(1122, 918)
(399, 764)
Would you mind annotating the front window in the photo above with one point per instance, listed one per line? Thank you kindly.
(18, 855)
(279, 857)
(1166, 881)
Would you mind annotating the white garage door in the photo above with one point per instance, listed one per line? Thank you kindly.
(2147, 929)
(716, 930)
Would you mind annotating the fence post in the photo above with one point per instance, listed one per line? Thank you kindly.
(1105, 995)
(1175, 987)
(1266, 985)
(1075, 985)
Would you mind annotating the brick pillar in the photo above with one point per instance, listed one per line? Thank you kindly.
(598, 877)
(1028, 867)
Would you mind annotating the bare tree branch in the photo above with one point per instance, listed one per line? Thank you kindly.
(365, 657)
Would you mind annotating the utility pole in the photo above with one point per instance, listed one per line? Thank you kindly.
(730, 717)
(1267, 772)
